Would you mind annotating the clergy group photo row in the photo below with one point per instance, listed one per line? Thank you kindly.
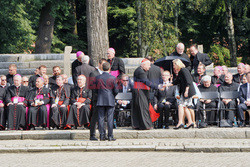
(174, 91)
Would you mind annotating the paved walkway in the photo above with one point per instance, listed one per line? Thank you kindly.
(125, 159)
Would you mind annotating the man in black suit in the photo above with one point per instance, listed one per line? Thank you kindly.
(198, 57)
(77, 62)
(84, 69)
(107, 90)
(12, 73)
(125, 86)
(244, 99)
(42, 70)
(239, 76)
(165, 101)
(92, 86)
(56, 72)
(180, 47)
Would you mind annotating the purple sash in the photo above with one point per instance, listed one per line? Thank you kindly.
(115, 73)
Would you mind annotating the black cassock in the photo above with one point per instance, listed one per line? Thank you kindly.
(140, 114)
(81, 116)
(37, 115)
(17, 112)
(59, 96)
(2, 111)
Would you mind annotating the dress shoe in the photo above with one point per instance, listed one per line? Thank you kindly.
(111, 139)
(178, 127)
(93, 138)
(102, 139)
(189, 126)
(32, 128)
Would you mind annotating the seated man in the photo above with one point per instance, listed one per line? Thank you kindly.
(2, 108)
(217, 79)
(239, 76)
(16, 104)
(165, 101)
(79, 113)
(37, 100)
(228, 85)
(244, 100)
(125, 87)
(206, 86)
(201, 69)
(59, 104)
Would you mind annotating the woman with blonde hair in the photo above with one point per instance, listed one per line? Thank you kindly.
(187, 91)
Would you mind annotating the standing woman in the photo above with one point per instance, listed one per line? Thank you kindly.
(186, 90)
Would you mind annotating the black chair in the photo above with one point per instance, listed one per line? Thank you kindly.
(124, 115)
(228, 95)
(211, 96)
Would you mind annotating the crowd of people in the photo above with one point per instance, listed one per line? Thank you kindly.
(89, 100)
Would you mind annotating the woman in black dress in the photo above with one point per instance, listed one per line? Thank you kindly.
(186, 90)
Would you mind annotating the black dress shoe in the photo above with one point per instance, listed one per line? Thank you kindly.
(112, 139)
(189, 126)
(93, 138)
(178, 127)
(102, 139)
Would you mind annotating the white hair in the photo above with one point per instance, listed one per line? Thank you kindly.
(206, 78)
(180, 45)
(85, 59)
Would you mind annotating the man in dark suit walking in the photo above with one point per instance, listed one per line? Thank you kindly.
(92, 86)
(107, 90)
(244, 99)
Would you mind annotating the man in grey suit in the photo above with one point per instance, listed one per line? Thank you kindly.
(107, 90)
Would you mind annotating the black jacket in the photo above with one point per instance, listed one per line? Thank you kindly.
(200, 57)
(117, 64)
(184, 55)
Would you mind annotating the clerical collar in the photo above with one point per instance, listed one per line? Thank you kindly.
(81, 87)
(100, 71)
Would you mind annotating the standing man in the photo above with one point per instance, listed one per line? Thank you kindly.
(107, 90)
(154, 73)
(180, 47)
(42, 70)
(17, 103)
(92, 86)
(76, 63)
(37, 100)
(84, 69)
(198, 58)
(12, 73)
(239, 76)
(56, 72)
(116, 63)
(244, 100)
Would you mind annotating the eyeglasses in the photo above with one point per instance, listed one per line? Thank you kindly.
(3, 79)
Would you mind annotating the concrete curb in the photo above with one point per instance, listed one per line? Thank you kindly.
(133, 148)
(209, 133)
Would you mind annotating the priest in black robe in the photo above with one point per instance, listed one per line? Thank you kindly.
(60, 95)
(116, 63)
(12, 73)
(42, 70)
(80, 99)
(206, 86)
(2, 108)
(140, 114)
(17, 103)
(239, 76)
(228, 85)
(56, 72)
(200, 73)
(38, 98)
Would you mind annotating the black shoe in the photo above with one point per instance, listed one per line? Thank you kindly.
(178, 127)
(102, 139)
(93, 138)
(32, 128)
(191, 125)
(112, 139)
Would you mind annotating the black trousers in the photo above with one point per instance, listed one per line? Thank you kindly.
(164, 110)
(102, 111)
(210, 115)
(228, 114)
(240, 112)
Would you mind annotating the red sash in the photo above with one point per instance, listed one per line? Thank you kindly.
(154, 115)
(140, 85)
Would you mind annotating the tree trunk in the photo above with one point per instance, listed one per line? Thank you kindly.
(97, 28)
(73, 3)
(176, 11)
(45, 30)
(230, 31)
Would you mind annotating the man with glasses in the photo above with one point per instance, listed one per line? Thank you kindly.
(116, 63)
(25, 81)
(4, 83)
